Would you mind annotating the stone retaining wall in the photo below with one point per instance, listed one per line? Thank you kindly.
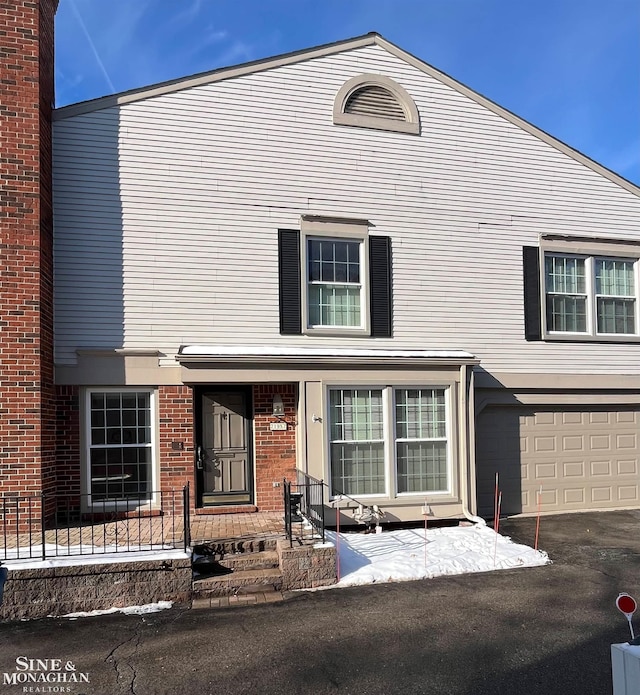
(307, 566)
(51, 591)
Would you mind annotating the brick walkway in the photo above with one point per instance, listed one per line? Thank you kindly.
(216, 527)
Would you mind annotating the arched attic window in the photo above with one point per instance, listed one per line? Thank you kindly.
(376, 101)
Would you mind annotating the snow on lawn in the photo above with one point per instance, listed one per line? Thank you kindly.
(394, 556)
(128, 610)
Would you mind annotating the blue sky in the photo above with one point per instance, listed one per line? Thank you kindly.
(570, 67)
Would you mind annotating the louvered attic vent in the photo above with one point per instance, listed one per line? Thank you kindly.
(376, 101)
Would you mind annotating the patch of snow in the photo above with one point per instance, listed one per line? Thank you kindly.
(76, 555)
(395, 556)
(128, 610)
(288, 351)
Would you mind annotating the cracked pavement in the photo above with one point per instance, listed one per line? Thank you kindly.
(538, 631)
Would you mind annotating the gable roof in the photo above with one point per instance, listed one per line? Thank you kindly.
(370, 39)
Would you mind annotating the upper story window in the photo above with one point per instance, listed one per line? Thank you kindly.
(335, 291)
(378, 102)
(334, 278)
(582, 289)
(591, 295)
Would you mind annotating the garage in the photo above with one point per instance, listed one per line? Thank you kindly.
(584, 459)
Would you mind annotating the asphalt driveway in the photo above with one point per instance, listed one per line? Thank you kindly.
(538, 631)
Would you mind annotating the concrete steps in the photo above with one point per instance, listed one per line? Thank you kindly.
(233, 572)
(267, 559)
(240, 582)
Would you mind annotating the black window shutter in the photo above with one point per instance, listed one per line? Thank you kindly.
(380, 286)
(289, 281)
(532, 308)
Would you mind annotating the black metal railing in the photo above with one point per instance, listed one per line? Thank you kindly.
(44, 526)
(304, 501)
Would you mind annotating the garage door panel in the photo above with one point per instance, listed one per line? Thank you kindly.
(627, 467)
(573, 469)
(626, 441)
(573, 496)
(584, 459)
(573, 442)
(628, 493)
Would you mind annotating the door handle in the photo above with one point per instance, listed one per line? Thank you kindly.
(199, 458)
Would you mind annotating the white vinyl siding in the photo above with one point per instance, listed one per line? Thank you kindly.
(167, 210)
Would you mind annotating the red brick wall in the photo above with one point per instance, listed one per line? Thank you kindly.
(176, 425)
(27, 413)
(275, 451)
(275, 454)
(68, 456)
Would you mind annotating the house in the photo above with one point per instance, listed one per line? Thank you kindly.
(339, 261)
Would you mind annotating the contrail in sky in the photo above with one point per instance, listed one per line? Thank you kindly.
(93, 46)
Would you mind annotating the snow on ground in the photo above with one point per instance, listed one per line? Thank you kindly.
(66, 556)
(129, 610)
(394, 556)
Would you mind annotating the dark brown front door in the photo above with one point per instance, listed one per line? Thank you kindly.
(224, 461)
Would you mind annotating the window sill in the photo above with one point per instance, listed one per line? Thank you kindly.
(581, 338)
(337, 332)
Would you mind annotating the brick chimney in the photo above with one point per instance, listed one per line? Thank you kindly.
(27, 413)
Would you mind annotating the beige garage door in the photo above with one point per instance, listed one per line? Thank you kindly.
(584, 459)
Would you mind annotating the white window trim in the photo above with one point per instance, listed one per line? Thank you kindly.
(153, 501)
(390, 455)
(590, 252)
(339, 230)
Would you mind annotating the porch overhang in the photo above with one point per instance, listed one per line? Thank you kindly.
(257, 357)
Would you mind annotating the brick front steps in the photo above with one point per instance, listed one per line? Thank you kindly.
(259, 571)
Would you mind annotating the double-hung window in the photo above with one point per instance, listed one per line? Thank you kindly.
(421, 440)
(389, 440)
(335, 286)
(591, 295)
(120, 444)
(357, 441)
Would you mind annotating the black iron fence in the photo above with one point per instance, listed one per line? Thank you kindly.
(304, 501)
(45, 526)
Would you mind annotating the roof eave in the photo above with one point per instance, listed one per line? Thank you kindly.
(212, 76)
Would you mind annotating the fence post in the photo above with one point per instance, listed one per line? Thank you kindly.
(186, 512)
(287, 511)
(42, 515)
(322, 507)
